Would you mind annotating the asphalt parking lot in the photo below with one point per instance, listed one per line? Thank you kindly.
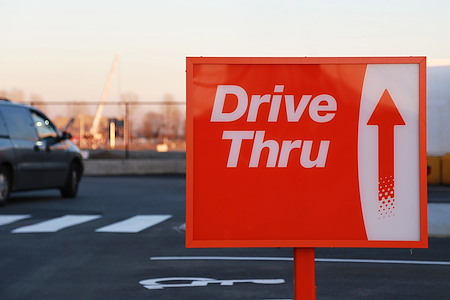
(123, 238)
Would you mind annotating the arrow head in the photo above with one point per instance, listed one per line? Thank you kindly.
(386, 112)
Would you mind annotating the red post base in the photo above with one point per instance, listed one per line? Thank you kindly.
(304, 274)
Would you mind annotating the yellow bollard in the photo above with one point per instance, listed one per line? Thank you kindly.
(435, 162)
(446, 169)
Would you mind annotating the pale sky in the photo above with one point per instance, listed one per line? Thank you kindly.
(63, 50)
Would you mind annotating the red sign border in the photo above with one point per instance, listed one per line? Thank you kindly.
(190, 219)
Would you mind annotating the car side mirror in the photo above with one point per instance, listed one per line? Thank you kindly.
(66, 136)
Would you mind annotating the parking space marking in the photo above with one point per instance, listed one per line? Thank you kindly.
(8, 219)
(335, 260)
(56, 224)
(134, 224)
(384, 261)
(220, 258)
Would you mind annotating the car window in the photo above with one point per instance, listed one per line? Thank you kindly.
(43, 126)
(19, 123)
(3, 129)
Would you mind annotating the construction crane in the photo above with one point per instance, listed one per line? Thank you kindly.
(96, 122)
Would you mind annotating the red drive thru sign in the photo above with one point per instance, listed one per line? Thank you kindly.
(306, 152)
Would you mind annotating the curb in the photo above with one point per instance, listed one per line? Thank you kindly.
(439, 220)
(99, 167)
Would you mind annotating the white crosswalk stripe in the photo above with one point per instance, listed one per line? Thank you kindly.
(56, 224)
(8, 219)
(135, 224)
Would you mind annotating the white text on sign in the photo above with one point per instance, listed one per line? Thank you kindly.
(322, 109)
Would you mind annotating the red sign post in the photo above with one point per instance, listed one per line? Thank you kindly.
(306, 152)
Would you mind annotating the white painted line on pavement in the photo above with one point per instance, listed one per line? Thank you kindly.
(337, 260)
(56, 224)
(134, 224)
(219, 258)
(7, 219)
(382, 261)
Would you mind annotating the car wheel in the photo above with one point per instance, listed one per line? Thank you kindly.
(70, 189)
(5, 185)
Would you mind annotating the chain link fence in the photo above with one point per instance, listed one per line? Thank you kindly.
(121, 126)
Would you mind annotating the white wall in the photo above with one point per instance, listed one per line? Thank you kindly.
(438, 110)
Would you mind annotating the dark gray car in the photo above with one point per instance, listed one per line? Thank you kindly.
(34, 154)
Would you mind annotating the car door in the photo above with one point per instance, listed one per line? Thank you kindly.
(27, 148)
(55, 157)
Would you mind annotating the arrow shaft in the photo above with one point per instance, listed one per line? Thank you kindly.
(385, 151)
(386, 187)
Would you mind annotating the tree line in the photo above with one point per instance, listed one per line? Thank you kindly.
(166, 123)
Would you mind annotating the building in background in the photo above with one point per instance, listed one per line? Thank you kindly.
(438, 110)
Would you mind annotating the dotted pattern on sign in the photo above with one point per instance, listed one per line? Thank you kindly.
(386, 197)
